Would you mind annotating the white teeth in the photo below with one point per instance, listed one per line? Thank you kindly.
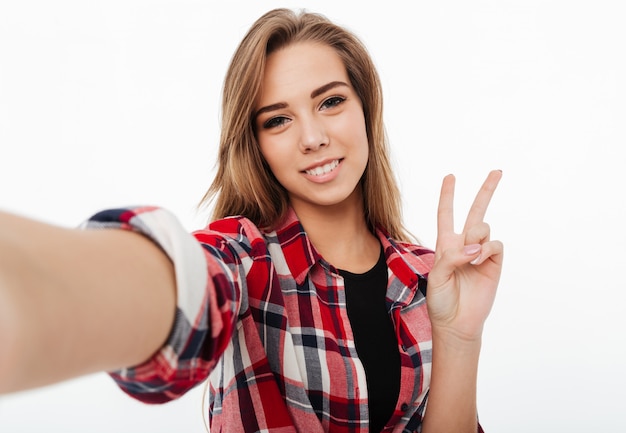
(326, 168)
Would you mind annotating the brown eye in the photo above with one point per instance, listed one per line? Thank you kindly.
(333, 101)
(275, 122)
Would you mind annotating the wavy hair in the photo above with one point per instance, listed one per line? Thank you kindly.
(244, 184)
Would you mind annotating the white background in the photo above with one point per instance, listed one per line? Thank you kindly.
(113, 103)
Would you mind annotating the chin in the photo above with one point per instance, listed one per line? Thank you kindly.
(346, 198)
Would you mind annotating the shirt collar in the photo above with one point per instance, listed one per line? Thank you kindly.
(408, 262)
(300, 254)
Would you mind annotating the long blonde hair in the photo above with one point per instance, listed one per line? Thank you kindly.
(244, 184)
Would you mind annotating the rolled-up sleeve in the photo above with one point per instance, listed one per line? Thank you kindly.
(208, 285)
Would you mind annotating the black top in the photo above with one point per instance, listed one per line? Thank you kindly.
(375, 339)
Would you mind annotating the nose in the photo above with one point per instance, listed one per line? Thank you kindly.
(312, 134)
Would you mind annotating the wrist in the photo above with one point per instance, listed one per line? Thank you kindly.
(454, 375)
(449, 340)
(9, 326)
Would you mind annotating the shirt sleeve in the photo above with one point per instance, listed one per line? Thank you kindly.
(208, 284)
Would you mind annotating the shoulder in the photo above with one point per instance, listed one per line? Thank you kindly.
(235, 232)
(234, 226)
(418, 257)
(414, 249)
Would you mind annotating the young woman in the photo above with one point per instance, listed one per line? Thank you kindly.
(304, 302)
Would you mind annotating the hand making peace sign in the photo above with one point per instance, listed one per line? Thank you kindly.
(463, 281)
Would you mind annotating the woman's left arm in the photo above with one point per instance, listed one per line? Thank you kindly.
(461, 290)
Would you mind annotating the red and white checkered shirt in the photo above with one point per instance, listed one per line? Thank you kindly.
(263, 316)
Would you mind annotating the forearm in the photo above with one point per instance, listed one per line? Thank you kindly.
(452, 397)
(76, 302)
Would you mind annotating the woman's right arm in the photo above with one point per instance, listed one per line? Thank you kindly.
(74, 302)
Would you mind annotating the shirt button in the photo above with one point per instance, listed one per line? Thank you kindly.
(404, 407)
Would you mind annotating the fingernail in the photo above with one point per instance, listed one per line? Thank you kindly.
(475, 261)
(471, 249)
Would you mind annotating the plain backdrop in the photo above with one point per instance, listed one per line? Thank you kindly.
(115, 103)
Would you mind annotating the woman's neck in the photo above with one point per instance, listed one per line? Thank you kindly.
(340, 234)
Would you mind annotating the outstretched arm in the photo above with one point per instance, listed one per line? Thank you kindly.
(73, 302)
(461, 290)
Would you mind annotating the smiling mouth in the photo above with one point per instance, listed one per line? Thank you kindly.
(323, 169)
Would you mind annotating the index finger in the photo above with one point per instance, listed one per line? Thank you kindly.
(445, 211)
(481, 202)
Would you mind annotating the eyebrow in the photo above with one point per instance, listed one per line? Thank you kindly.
(314, 93)
(327, 87)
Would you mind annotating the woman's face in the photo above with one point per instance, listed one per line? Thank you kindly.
(311, 128)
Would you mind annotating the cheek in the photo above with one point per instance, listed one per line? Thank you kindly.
(356, 127)
(268, 150)
(273, 157)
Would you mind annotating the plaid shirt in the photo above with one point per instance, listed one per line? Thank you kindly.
(263, 315)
